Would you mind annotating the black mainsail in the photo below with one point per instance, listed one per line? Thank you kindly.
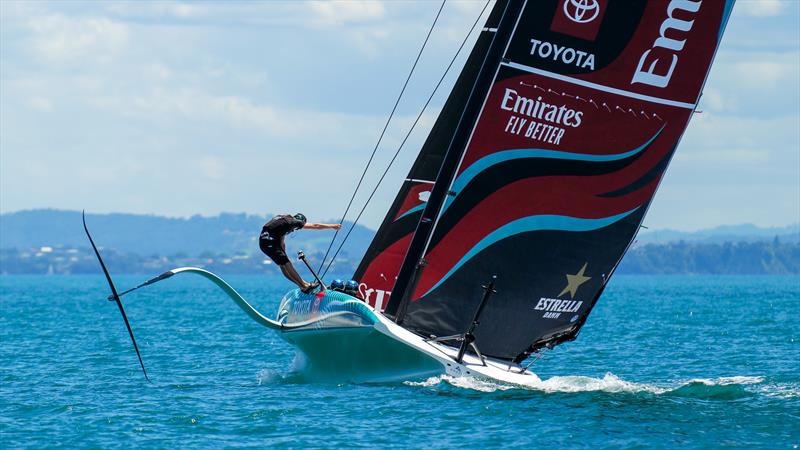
(547, 155)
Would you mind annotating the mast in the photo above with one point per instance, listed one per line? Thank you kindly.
(381, 263)
(413, 262)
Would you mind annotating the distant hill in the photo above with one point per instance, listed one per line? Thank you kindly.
(730, 258)
(154, 235)
(721, 234)
(52, 241)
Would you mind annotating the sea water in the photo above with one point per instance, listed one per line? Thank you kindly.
(692, 362)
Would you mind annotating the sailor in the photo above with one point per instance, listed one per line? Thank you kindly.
(272, 243)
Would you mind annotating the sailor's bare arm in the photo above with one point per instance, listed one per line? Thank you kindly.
(322, 226)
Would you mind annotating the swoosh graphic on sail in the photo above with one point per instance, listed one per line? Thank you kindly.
(419, 207)
(496, 158)
(528, 224)
(726, 14)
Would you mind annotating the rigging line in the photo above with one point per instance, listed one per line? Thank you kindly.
(449, 66)
(380, 138)
(539, 356)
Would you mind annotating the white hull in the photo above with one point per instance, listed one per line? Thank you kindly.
(443, 355)
(340, 338)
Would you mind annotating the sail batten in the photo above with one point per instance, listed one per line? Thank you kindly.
(578, 124)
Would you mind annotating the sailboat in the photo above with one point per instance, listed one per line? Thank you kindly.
(526, 194)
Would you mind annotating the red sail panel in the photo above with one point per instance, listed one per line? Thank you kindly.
(583, 117)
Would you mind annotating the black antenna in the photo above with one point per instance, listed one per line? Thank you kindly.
(114, 295)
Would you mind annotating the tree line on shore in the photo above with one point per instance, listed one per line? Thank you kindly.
(729, 258)
(53, 241)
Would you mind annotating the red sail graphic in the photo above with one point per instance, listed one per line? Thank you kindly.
(579, 18)
(582, 119)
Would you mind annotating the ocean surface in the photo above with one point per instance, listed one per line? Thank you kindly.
(663, 362)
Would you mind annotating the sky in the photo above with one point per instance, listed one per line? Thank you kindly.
(183, 108)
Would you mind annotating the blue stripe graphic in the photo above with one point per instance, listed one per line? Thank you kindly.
(532, 223)
(419, 207)
(496, 158)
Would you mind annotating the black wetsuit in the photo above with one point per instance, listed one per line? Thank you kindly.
(272, 233)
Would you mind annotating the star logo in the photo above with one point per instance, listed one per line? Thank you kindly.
(575, 281)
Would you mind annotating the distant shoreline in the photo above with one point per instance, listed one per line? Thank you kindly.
(52, 241)
(676, 258)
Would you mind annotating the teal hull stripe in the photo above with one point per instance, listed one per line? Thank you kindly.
(496, 158)
(529, 224)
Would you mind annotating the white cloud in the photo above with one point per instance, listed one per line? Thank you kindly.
(744, 82)
(764, 73)
(724, 132)
(211, 167)
(760, 8)
(156, 72)
(717, 100)
(338, 13)
(304, 128)
(723, 156)
(161, 11)
(468, 8)
(65, 39)
(40, 104)
(185, 10)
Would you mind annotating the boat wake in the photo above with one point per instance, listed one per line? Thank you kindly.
(724, 388)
